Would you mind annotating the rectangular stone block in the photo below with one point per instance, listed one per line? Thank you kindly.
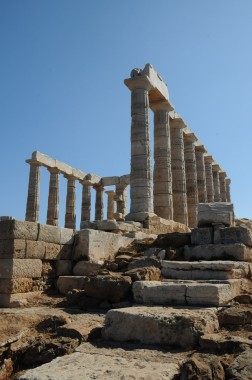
(68, 283)
(67, 236)
(16, 285)
(66, 252)
(20, 268)
(85, 268)
(233, 235)
(201, 236)
(49, 234)
(16, 229)
(52, 251)
(64, 267)
(218, 212)
(35, 249)
(14, 248)
(237, 252)
(97, 246)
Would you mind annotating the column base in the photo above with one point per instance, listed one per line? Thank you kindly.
(139, 216)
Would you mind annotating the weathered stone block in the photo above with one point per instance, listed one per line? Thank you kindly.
(98, 246)
(64, 267)
(35, 249)
(20, 268)
(14, 248)
(85, 268)
(218, 212)
(16, 285)
(52, 251)
(49, 234)
(159, 226)
(67, 236)
(66, 252)
(237, 252)
(233, 235)
(17, 299)
(201, 236)
(160, 325)
(16, 229)
(67, 283)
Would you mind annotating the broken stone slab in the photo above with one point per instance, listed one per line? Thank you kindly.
(16, 229)
(170, 326)
(114, 225)
(237, 251)
(144, 274)
(241, 367)
(17, 299)
(232, 235)
(89, 362)
(202, 236)
(97, 246)
(67, 283)
(157, 225)
(223, 343)
(205, 270)
(20, 268)
(235, 316)
(215, 213)
(139, 235)
(85, 268)
(184, 292)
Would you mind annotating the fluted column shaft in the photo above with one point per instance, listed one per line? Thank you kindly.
(32, 204)
(70, 215)
(228, 194)
(86, 203)
(53, 198)
(163, 202)
(110, 204)
(223, 191)
(99, 205)
(178, 172)
(141, 186)
(216, 181)
(121, 201)
(201, 175)
(209, 178)
(191, 179)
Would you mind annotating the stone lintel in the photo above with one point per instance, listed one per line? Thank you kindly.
(161, 105)
(190, 136)
(109, 181)
(91, 179)
(125, 179)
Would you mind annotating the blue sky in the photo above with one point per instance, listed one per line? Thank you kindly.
(61, 86)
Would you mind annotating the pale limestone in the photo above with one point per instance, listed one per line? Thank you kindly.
(17, 299)
(214, 213)
(14, 248)
(52, 251)
(216, 182)
(67, 236)
(160, 325)
(201, 173)
(97, 246)
(16, 229)
(236, 251)
(53, 197)
(70, 214)
(209, 178)
(16, 285)
(32, 205)
(20, 268)
(35, 249)
(49, 234)
(191, 178)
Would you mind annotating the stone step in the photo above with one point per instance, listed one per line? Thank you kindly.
(205, 270)
(177, 327)
(236, 252)
(211, 293)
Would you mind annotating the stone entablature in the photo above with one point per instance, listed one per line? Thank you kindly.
(88, 181)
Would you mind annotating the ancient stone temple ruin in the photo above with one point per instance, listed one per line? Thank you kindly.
(184, 173)
(177, 189)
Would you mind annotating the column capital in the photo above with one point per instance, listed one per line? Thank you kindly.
(222, 174)
(110, 192)
(176, 120)
(228, 181)
(53, 170)
(138, 83)
(190, 137)
(161, 105)
(200, 148)
(216, 167)
(33, 162)
(208, 159)
(70, 176)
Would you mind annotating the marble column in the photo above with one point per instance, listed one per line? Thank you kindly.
(228, 194)
(70, 215)
(53, 197)
(178, 170)
(209, 178)
(191, 178)
(99, 206)
(163, 202)
(121, 201)
(141, 185)
(216, 181)
(223, 191)
(86, 203)
(110, 204)
(201, 174)
(32, 204)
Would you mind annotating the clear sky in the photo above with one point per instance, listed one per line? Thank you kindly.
(61, 85)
